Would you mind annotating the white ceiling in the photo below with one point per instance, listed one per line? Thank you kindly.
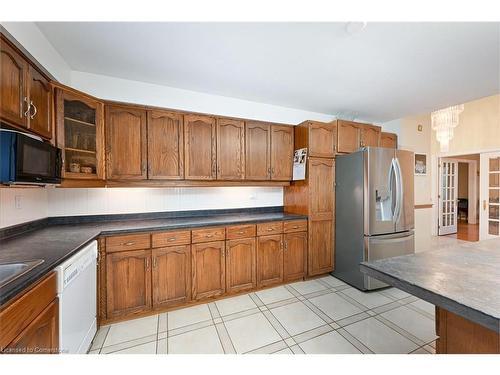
(386, 71)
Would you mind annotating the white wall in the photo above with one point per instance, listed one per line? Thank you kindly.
(63, 202)
(124, 90)
(33, 205)
(32, 39)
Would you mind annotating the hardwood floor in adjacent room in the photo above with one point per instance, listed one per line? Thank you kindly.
(466, 231)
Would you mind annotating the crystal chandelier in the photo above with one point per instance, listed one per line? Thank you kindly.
(443, 123)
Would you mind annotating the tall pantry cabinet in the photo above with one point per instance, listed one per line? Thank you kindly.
(315, 196)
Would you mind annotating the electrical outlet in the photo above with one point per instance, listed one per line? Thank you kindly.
(253, 196)
(18, 201)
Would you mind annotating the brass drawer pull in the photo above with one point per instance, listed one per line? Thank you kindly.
(172, 238)
(295, 227)
(130, 243)
(270, 229)
(210, 235)
(241, 232)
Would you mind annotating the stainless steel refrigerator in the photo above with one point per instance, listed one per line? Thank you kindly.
(374, 208)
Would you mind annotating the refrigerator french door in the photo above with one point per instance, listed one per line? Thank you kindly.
(374, 211)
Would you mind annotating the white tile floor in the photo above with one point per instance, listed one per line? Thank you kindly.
(316, 316)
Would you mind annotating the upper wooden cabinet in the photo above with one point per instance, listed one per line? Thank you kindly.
(319, 138)
(200, 147)
(230, 149)
(80, 134)
(128, 282)
(321, 187)
(25, 93)
(13, 86)
(369, 136)
(353, 135)
(281, 152)
(126, 143)
(40, 95)
(257, 151)
(388, 140)
(165, 145)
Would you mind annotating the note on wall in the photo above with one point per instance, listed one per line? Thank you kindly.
(299, 164)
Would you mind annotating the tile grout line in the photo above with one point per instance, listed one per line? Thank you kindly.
(225, 328)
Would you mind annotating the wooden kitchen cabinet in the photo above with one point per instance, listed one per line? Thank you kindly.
(13, 86)
(269, 260)
(41, 336)
(348, 136)
(40, 96)
(281, 152)
(200, 147)
(25, 93)
(165, 145)
(240, 265)
(257, 151)
(369, 136)
(322, 182)
(209, 266)
(295, 256)
(320, 138)
(128, 282)
(388, 140)
(321, 246)
(126, 143)
(230, 149)
(171, 275)
(80, 133)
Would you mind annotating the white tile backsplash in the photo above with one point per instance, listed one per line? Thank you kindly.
(32, 205)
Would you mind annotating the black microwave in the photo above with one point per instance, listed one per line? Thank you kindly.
(24, 159)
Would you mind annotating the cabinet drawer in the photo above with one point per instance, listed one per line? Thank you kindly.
(240, 231)
(295, 226)
(180, 237)
(128, 242)
(269, 228)
(208, 234)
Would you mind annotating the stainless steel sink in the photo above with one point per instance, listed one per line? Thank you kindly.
(11, 271)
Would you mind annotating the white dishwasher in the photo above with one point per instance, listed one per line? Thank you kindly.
(77, 292)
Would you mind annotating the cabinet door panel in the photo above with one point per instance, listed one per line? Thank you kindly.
(171, 275)
(128, 283)
(321, 182)
(200, 147)
(126, 143)
(321, 245)
(240, 265)
(230, 149)
(322, 140)
(208, 260)
(269, 260)
(40, 95)
(13, 76)
(388, 140)
(165, 145)
(370, 136)
(281, 152)
(257, 151)
(41, 336)
(295, 257)
(348, 136)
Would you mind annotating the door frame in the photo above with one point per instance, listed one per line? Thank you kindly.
(484, 186)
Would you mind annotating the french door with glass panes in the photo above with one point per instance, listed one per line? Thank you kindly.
(448, 200)
(489, 223)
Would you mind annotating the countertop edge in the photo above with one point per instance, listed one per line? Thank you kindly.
(466, 312)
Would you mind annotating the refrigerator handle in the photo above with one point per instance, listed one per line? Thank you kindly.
(394, 166)
(400, 190)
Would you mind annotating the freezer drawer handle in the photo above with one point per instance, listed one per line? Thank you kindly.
(392, 240)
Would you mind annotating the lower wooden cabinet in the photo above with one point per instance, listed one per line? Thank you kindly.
(269, 260)
(128, 282)
(295, 256)
(171, 275)
(209, 269)
(321, 245)
(41, 336)
(240, 265)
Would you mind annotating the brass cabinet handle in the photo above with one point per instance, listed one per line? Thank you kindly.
(286, 245)
(295, 227)
(172, 239)
(241, 232)
(484, 205)
(147, 263)
(270, 229)
(155, 262)
(34, 107)
(28, 110)
(210, 235)
(128, 243)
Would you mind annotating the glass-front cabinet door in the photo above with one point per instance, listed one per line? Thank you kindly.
(490, 195)
(80, 135)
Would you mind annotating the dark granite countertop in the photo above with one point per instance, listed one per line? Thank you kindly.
(59, 238)
(464, 279)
